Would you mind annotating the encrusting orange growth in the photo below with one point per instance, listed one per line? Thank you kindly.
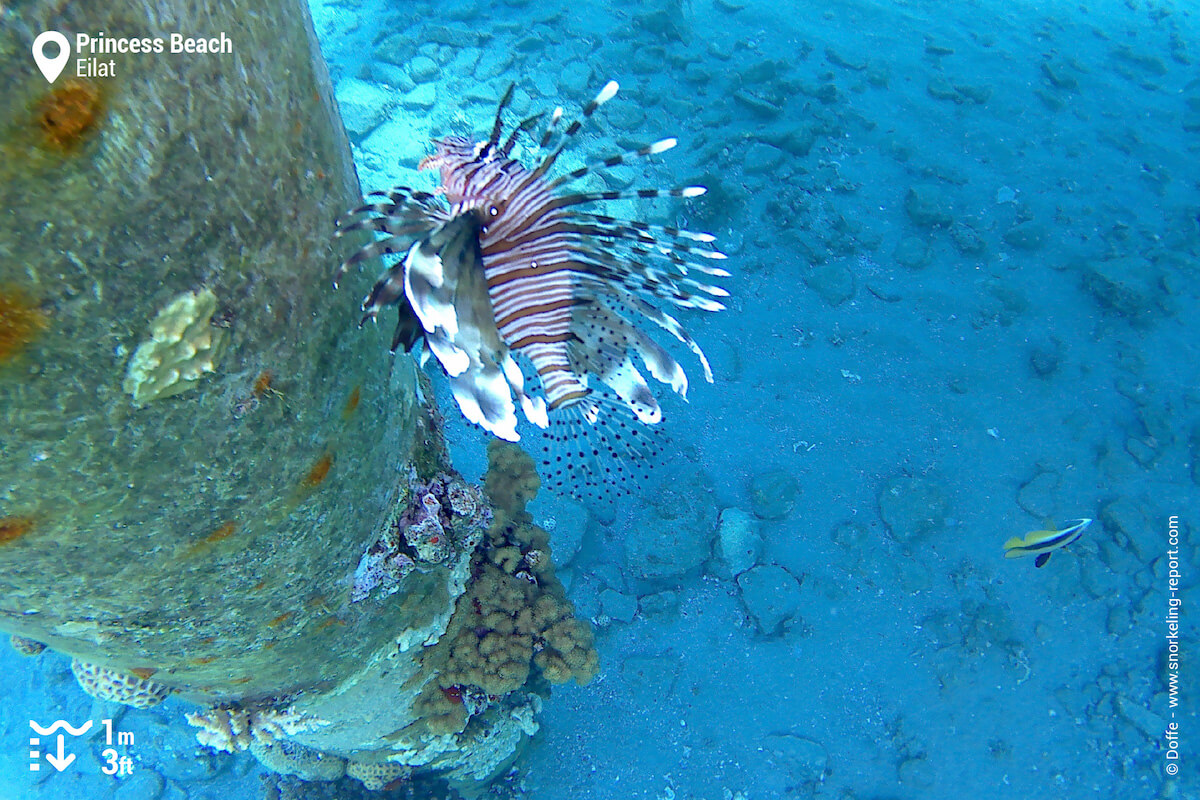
(352, 402)
(13, 528)
(282, 618)
(68, 114)
(223, 532)
(20, 321)
(262, 384)
(319, 472)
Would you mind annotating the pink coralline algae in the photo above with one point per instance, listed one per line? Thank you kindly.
(444, 516)
(379, 567)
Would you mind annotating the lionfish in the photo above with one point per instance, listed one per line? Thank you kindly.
(499, 263)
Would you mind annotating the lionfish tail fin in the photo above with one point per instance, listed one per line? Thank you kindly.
(597, 453)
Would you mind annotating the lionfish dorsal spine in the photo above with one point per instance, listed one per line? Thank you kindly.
(607, 93)
(498, 124)
(524, 126)
(555, 118)
(614, 160)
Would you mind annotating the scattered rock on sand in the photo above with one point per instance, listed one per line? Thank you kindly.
(966, 239)
(1044, 356)
(1142, 450)
(832, 281)
(761, 158)
(674, 533)
(837, 59)
(1027, 235)
(652, 674)
(771, 596)
(1150, 724)
(739, 543)
(1056, 72)
(364, 106)
(773, 494)
(422, 69)
(619, 607)
(940, 89)
(664, 550)
(1122, 285)
(660, 604)
(803, 760)
(912, 252)
(1126, 519)
(422, 98)
(913, 508)
(928, 205)
(567, 526)
(798, 141)
(1038, 495)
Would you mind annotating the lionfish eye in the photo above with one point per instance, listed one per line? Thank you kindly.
(493, 210)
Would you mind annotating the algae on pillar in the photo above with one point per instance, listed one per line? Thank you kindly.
(197, 447)
(182, 518)
(211, 482)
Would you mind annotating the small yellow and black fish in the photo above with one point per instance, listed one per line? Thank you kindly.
(1043, 543)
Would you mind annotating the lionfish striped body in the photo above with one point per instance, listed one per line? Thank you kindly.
(508, 265)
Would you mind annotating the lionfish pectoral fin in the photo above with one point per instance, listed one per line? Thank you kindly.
(388, 289)
(454, 360)
(534, 408)
(442, 273)
(421, 353)
(670, 324)
(631, 387)
(603, 341)
(432, 299)
(484, 398)
(664, 368)
(408, 333)
(447, 288)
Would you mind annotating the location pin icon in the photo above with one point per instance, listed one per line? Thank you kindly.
(51, 67)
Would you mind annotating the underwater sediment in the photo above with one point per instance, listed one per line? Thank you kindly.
(204, 464)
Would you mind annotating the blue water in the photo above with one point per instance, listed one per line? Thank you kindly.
(969, 304)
